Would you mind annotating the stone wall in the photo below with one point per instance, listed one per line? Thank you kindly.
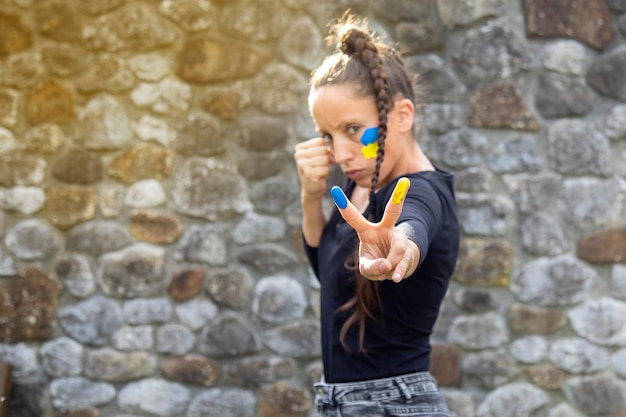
(151, 262)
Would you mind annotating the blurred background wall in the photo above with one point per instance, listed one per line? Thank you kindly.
(150, 251)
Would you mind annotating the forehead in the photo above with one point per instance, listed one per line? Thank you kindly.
(335, 104)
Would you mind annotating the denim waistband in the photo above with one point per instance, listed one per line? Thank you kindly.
(407, 386)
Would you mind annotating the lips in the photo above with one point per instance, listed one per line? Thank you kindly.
(354, 174)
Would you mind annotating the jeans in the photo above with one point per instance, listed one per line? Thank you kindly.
(406, 395)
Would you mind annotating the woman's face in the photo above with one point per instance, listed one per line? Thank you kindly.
(341, 116)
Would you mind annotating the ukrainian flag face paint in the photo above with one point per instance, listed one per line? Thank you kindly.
(370, 142)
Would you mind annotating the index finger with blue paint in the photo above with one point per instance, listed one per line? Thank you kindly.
(348, 211)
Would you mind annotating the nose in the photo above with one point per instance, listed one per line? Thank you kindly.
(343, 150)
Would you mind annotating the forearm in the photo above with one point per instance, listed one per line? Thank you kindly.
(313, 221)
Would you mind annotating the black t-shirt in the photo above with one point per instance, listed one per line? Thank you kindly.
(397, 342)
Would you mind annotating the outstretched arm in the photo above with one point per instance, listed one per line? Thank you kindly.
(385, 251)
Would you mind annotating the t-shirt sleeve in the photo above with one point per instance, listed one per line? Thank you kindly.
(421, 216)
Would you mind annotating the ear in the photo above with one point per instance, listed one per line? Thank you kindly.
(405, 112)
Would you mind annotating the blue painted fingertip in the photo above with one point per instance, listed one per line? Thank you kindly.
(370, 135)
(339, 197)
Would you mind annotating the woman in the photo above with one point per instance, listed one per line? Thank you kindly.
(383, 273)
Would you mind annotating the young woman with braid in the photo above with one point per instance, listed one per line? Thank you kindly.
(385, 256)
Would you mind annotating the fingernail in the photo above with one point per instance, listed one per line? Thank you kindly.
(339, 197)
(370, 135)
(400, 190)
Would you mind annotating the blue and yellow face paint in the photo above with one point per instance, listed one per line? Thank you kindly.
(369, 139)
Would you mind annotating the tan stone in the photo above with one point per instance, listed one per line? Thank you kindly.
(61, 59)
(28, 307)
(186, 284)
(194, 370)
(143, 161)
(444, 364)
(205, 60)
(46, 138)
(226, 105)
(588, 21)
(15, 36)
(59, 21)
(536, 320)
(21, 169)
(484, 262)
(282, 400)
(605, 246)
(155, 227)
(51, 102)
(78, 166)
(69, 206)
(546, 376)
(501, 106)
(9, 101)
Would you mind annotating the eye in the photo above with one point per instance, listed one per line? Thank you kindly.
(353, 129)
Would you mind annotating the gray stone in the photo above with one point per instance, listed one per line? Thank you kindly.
(76, 392)
(154, 396)
(196, 312)
(460, 403)
(8, 143)
(529, 349)
(147, 311)
(133, 338)
(91, 321)
(564, 410)
(46, 138)
(492, 368)
(463, 12)
(199, 135)
(561, 95)
(223, 402)
(7, 264)
(174, 339)
(75, 272)
(144, 194)
(153, 129)
(564, 56)
(576, 148)
(23, 361)
(112, 366)
(151, 66)
(441, 85)
(298, 339)
(62, 357)
(553, 282)
(279, 299)
(202, 244)
(301, 45)
(105, 73)
(21, 169)
(209, 189)
(97, 238)
(596, 394)
(617, 5)
(576, 356)
(615, 123)
(25, 200)
(475, 300)
(619, 362)
(517, 154)
(518, 399)
(543, 235)
(256, 21)
(104, 124)
(229, 335)
(472, 180)
(163, 97)
(484, 215)
(603, 77)
(531, 193)
(269, 258)
(478, 331)
(255, 228)
(136, 271)
(32, 239)
(461, 148)
(617, 286)
(591, 203)
(288, 86)
(255, 371)
(442, 118)
(601, 321)
(273, 195)
(491, 52)
(9, 102)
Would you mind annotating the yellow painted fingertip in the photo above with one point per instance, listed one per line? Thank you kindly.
(370, 151)
(400, 191)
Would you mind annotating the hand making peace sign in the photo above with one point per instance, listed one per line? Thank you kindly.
(385, 251)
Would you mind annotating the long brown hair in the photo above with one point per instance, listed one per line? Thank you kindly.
(375, 70)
